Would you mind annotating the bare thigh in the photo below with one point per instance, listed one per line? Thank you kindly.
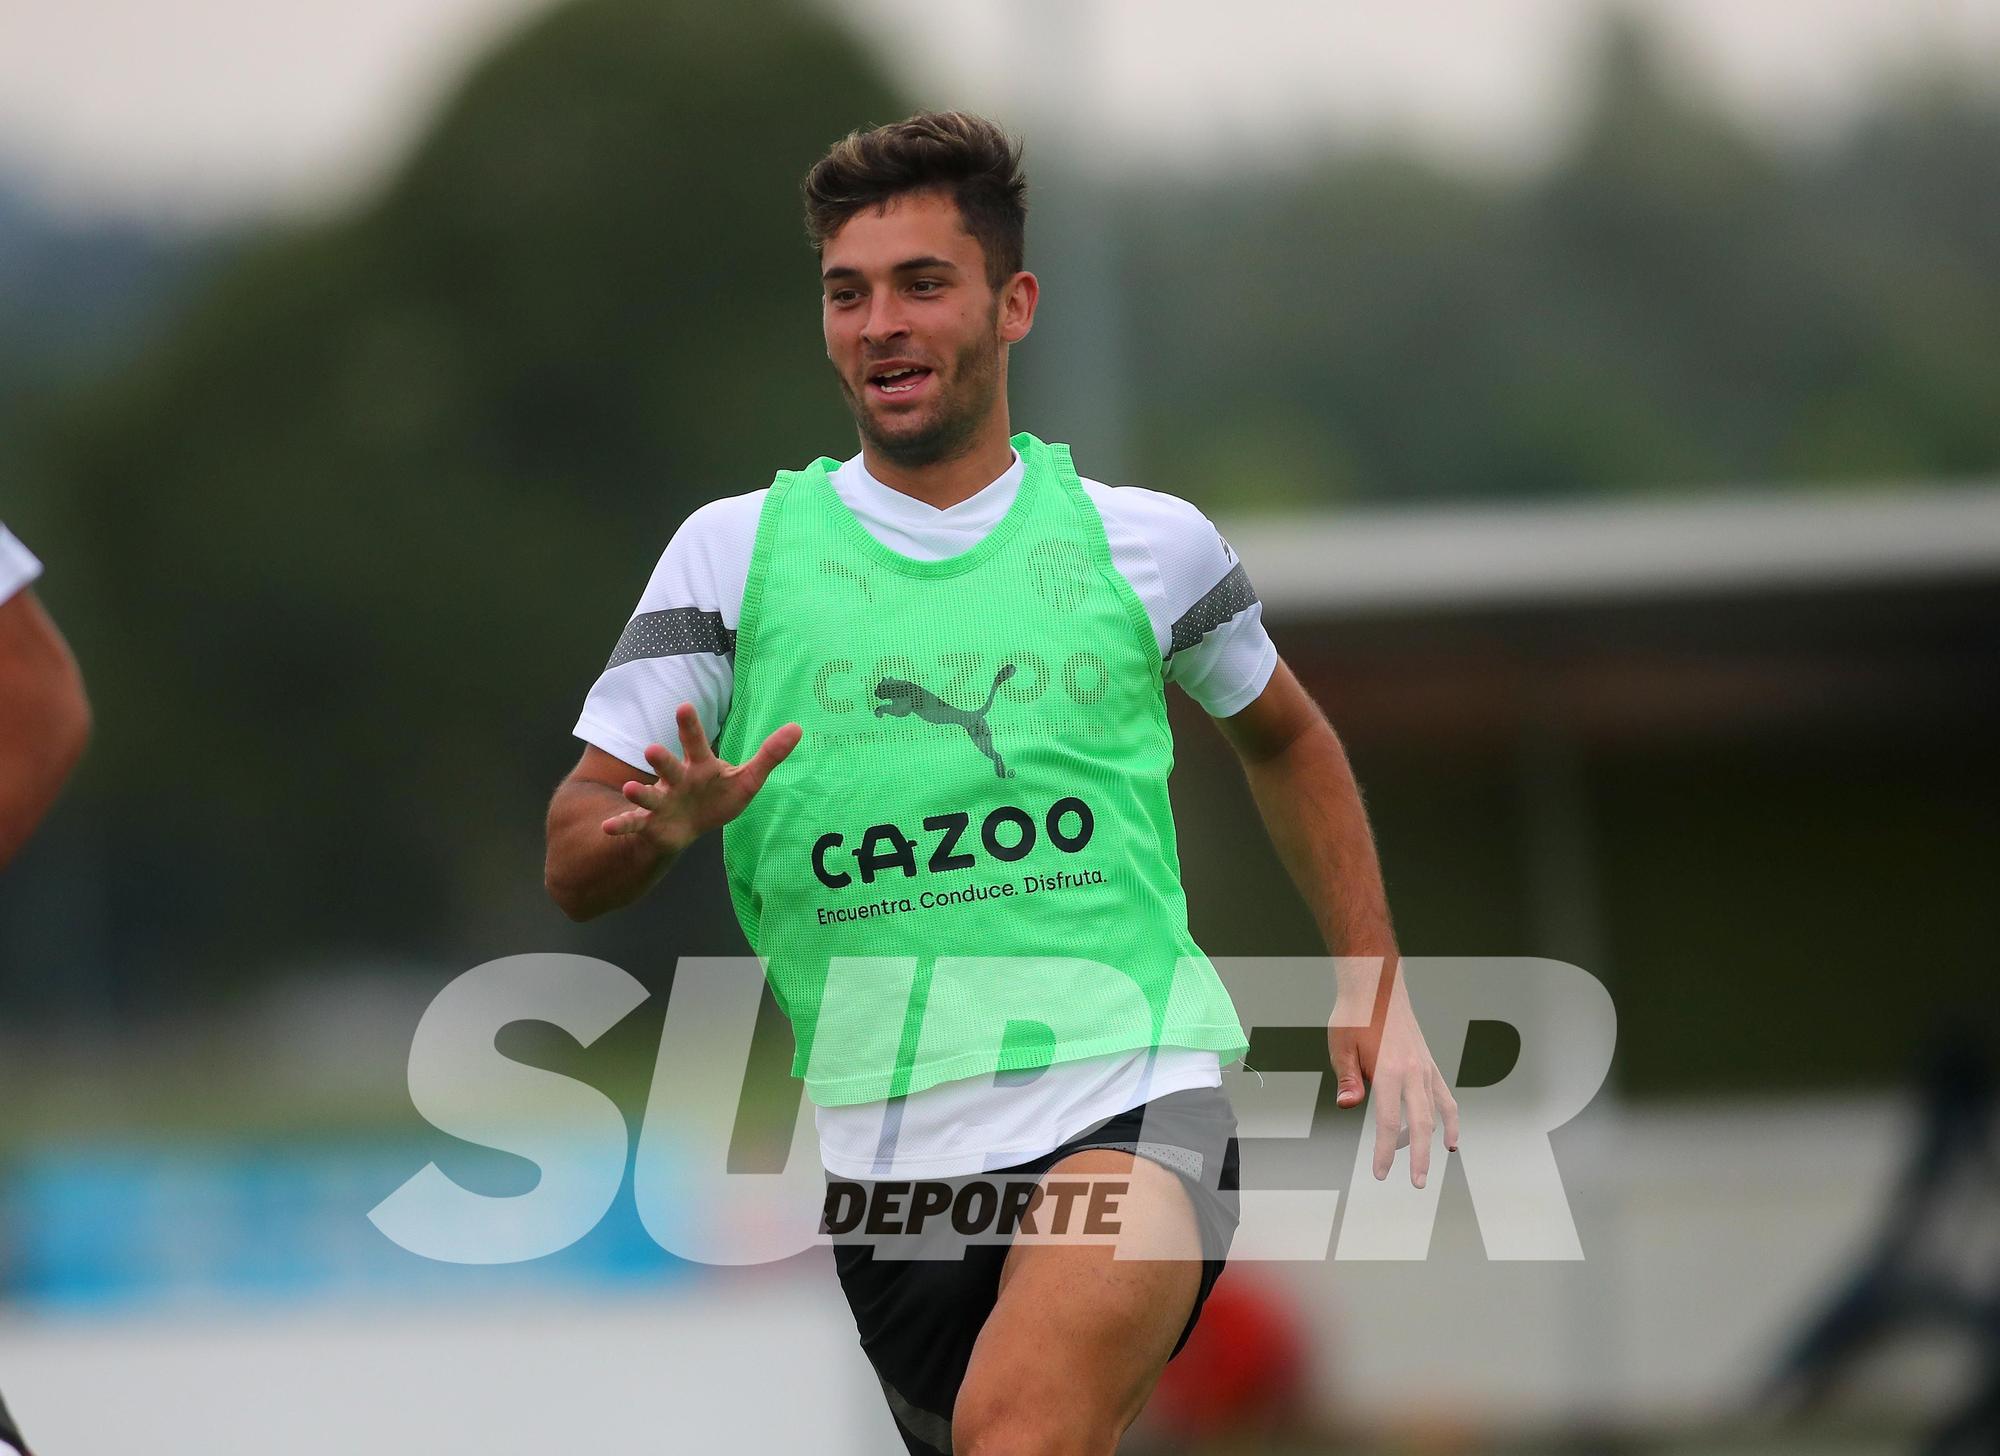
(1080, 1332)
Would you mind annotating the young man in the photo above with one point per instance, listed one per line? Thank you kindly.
(934, 677)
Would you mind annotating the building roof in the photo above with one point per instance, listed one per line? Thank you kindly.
(1373, 559)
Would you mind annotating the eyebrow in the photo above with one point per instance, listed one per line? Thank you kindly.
(908, 265)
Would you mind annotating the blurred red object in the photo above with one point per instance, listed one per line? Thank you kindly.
(1244, 1367)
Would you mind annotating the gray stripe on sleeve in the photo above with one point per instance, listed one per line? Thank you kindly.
(1221, 602)
(675, 632)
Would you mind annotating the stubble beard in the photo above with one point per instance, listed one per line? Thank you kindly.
(954, 421)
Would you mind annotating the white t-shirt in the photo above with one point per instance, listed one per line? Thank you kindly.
(1186, 576)
(18, 565)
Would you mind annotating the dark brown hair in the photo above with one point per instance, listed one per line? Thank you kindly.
(965, 156)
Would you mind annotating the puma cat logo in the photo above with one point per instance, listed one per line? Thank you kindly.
(900, 699)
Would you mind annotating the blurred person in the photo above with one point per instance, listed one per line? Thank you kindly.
(10, 1434)
(933, 677)
(1921, 1278)
(44, 721)
(1244, 1371)
(44, 716)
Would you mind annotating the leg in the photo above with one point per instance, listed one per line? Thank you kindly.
(918, 1320)
(1078, 1337)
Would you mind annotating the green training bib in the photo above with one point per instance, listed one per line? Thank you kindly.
(968, 863)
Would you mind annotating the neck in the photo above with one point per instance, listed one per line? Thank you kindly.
(944, 483)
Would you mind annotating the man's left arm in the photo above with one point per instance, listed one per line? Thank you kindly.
(1311, 805)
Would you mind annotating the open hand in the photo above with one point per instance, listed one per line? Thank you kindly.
(699, 792)
(1381, 1046)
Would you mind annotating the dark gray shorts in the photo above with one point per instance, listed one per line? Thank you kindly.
(918, 1317)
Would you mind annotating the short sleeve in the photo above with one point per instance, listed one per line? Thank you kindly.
(1219, 652)
(679, 645)
(18, 566)
(1205, 612)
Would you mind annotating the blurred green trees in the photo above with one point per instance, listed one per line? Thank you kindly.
(1670, 306)
(342, 554)
(342, 551)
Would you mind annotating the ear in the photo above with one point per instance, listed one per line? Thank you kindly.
(1018, 296)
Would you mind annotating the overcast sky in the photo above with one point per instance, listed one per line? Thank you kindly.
(203, 108)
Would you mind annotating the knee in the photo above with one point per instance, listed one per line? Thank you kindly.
(1016, 1423)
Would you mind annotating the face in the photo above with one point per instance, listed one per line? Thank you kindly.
(917, 336)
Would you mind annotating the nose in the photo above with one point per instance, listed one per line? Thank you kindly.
(886, 319)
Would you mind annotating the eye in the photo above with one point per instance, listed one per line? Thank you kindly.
(927, 285)
(841, 297)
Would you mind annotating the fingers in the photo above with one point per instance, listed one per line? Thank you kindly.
(1349, 1088)
(1388, 1124)
(662, 762)
(648, 796)
(1427, 1103)
(1447, 1110)
(694, 773)
(1422, 1125)
(630, 822)
(775, 750)
(694, 738)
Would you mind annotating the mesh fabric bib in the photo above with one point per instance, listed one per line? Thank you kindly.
(968, 863)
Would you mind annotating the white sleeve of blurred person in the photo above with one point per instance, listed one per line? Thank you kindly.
(679, 646)
(44, 716)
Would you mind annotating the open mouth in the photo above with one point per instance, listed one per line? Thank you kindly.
(900, 381)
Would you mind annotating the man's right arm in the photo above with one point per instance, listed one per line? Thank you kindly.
(588, 871)
(614, 829)
(624, 813)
